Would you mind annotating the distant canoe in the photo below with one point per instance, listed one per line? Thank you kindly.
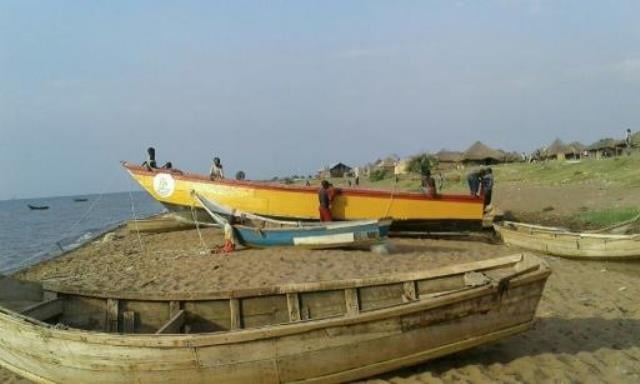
(561, 242)
(444, 212)
(309, 235)
(80, 199)
(38, 207)
(316, 332)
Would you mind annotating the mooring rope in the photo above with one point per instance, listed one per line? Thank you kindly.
(135, 223)
(195, 220)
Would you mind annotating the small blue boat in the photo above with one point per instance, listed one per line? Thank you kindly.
(261, 232)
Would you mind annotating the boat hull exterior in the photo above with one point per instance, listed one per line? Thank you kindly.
(360, 344)
(562, 243)
(301, 203)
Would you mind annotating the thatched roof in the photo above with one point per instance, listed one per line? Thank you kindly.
(558, 147)
(445, 156)
(512, 157)
(480, 152)
(577, 147)
(603, 144)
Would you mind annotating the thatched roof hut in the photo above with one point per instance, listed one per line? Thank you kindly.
(481, 154)
(445, 156)
(577, 147)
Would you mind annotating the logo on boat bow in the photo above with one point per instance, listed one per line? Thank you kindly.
(164, 184)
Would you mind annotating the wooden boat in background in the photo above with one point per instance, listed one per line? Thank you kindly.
(292, 202)
(37, 207)
(561, 242)
(80, 199)
(321, 332)
(158, 224)
(264, 232)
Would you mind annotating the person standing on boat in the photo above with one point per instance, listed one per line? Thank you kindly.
(487, 186)
(150, 163)
(428, 184)
(474, 179)
(325, 198)
(216, 171)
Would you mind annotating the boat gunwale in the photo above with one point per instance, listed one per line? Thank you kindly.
(561, 232)
(325, 285)
(134, 170)
(195, 340)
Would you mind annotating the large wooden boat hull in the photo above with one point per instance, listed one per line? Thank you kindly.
(560, 242)
(325, 332)
(301, 203)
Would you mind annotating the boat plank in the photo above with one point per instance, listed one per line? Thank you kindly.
(44, 310)
(174, 324)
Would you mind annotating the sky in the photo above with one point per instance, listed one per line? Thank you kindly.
(286, 87)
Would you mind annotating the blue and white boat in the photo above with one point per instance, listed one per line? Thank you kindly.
(261, 232)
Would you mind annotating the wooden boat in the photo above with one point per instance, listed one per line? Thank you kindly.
(292, 202)
(158, 224)
(561, 242)
(321, 332)
(80, 199)
(259, 234)
(37, 207)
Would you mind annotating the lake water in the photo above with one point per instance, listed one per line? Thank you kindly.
(30, 236)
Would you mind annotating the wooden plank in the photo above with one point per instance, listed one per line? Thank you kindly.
(174, 307)
(112, 315)
(293, 304)
(174, 324)
(409, 291)
(44, 310)
(236, 316)
(128, 321)
(351, 301)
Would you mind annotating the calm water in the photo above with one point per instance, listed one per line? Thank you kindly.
(29, 236)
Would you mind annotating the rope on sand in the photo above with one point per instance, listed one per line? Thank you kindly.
(194, 215)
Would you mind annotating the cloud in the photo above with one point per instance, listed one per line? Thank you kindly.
(628, 70)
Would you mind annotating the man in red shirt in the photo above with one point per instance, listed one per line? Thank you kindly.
(325, 198)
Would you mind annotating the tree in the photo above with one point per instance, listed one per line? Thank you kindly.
(421, 163)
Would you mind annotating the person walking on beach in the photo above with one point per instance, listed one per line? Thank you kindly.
(216, 171)
(474, 179)
(487, 186)
(428, 184)
(325, 198)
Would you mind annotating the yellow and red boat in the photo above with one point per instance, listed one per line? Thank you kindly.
(409, 210)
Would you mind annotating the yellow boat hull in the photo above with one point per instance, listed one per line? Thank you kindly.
(173, 189)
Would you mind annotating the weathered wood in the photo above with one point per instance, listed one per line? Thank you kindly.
(561, 242)
(44, 310)
(409, 291)
(236, 315)
(174, 324)
(112, 315)
(343, 348)
(128, 321)
(174, 307)
(293, 304)
(450, 270)
(351, 301)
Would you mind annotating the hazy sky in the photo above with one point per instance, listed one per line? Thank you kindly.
(283, 87)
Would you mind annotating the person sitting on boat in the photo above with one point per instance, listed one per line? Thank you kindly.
(150, 163)
(474, 179)
(429, 184)
(216, 171)
(487, 186)
(325, 198)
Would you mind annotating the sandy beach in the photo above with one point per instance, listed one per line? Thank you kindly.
(588, 327)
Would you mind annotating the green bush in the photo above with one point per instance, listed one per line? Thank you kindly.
(377, 175)
(421, 163)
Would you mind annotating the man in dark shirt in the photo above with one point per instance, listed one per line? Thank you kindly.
(473, 179)
(325, 197)
(429, 184)
(150, 163)
(487, 186)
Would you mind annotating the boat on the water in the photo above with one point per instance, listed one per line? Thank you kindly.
(260, 232)
(315, 332)
(37, 207)
(80, 199)
(562, 242)
(409, 210)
